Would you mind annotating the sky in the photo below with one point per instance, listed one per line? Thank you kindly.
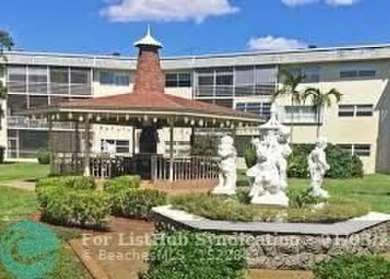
(193, 27)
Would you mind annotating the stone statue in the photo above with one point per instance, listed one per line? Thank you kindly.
(318, 167)
(268, 178)
(228, 169)
(108, 147)
(283, 153)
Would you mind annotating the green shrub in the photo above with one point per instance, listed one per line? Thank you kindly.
(301, 198)
(134, 202)
(342, 164)
(230, 209)
(72, 200)
(43, 156)
(189, 255)
(72, 182)
(353, 267)
(250, 157)
(357, 167)
(242, 195)
(122, 183)
(84, 208)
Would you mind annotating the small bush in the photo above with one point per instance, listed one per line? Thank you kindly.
(353, 267)
(72, 182)
(301, 198)
(43, 156)
(122, 183)
(84, 208)
(134, 202)
(189, 255)
(250, 157)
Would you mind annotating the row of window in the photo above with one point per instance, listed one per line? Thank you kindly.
(20, 102)
(115, 146)
(363, 150)
(262, 109)
(49, 80)
(356, 110)
(179, 148)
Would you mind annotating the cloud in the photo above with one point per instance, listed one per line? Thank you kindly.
(166, 10)
(274, 43)
(294, 3)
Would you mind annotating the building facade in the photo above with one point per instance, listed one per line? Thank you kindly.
(360, 123)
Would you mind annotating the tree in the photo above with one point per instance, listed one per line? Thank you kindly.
(320, 100)
(290, 84)
(6, 43)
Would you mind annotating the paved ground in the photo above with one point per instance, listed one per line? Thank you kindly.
(176, 188)
(121, 254)
(24, 185)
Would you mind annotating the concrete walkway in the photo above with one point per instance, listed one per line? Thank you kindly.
(18, 184)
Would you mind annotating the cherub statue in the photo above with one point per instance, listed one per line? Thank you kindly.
(318, 167)
(283, 153)
(228, 169)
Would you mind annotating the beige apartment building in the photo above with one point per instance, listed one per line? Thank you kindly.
(360, 123)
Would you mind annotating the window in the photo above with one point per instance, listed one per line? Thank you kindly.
(346, 110)
(357, 73)
(311, 73)
(179, 148)
(300, 114)
(38, 101)
(37, 80)
(17, 79)
(355, 110)
(262, 109)
(120, 146)
(59, 80)
(16, 103)
(363, 150)
(178, 80)
(115, 78)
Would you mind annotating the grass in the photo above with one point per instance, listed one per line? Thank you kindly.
(371, 189)
(22, 171)
(16, 204)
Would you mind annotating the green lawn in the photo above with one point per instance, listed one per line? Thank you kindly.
(22, 171)
(16, 204)
(372, 189)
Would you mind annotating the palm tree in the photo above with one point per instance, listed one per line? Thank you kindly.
(290, 86)
(6, 43)
(320, 99)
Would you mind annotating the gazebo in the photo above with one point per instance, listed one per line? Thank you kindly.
(147, 108)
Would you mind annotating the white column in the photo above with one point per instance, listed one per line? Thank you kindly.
(171, 150)
(87, 148)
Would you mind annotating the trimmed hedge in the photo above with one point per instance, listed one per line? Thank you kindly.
(128, 200)
(84, 208)
(342, 164)
(72, 182)
(122, 183)
(73, 201)
(190, 255)
(236, 209)
(353, 267)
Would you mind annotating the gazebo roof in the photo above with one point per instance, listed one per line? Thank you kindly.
(148, 98)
